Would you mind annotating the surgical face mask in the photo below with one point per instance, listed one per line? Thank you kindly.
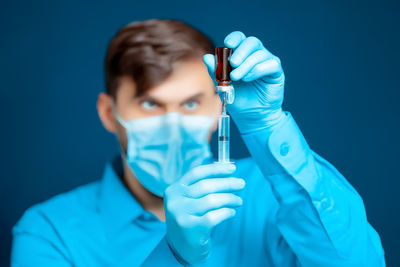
(163, 148)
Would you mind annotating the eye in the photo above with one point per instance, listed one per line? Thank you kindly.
(191, 105)
(149, 105)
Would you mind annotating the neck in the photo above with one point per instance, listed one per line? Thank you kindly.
(149, 201)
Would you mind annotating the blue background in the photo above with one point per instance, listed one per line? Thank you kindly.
(341, 61)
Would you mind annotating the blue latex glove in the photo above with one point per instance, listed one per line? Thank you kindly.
(258, 79)
(195, 204)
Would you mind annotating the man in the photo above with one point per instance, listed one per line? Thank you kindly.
(165, 202)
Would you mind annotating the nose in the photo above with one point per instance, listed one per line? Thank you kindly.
(172, 107)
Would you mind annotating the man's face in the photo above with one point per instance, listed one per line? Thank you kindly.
(189, 90)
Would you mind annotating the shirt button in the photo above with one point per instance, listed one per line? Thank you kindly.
(326, 203)
(284, 149)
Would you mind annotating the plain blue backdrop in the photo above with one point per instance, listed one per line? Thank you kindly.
(341, 60)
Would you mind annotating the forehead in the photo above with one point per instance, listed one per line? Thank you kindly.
(188, 78)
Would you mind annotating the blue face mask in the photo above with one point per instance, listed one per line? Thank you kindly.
(163, 148)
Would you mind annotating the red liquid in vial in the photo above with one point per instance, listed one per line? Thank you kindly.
(223, 67)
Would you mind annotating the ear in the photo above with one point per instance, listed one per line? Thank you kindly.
(106, 115)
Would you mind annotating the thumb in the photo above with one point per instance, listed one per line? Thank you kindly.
(209, 61)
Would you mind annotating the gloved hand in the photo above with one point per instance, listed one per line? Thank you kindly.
(195, 204)
(258, 79)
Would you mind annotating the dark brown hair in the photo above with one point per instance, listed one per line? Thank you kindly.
(148, 50)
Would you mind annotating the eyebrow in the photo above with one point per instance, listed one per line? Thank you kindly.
(194, 97)
(159, 101)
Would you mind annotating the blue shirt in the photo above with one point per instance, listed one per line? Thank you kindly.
(298, 210)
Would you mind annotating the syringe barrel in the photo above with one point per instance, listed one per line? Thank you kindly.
(223, 126)
(223, 138)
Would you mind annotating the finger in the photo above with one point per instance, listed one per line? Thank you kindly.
(215, 217)
(246, 48)
(214, 185)
(209, 61)
(271, 67)
(251, 61)
(200, 206)
(233, 39)
(208, 171)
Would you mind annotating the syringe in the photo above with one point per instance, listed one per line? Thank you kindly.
(226, 92)
(223, 135)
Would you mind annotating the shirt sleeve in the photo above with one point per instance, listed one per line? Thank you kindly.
(36, 244)
(320, 215)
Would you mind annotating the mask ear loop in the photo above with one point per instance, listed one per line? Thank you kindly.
(117, 116)
(124, 124)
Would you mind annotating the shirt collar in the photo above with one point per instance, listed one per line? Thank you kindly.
(117, 204)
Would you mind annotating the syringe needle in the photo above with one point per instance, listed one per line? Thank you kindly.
(224, 104)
